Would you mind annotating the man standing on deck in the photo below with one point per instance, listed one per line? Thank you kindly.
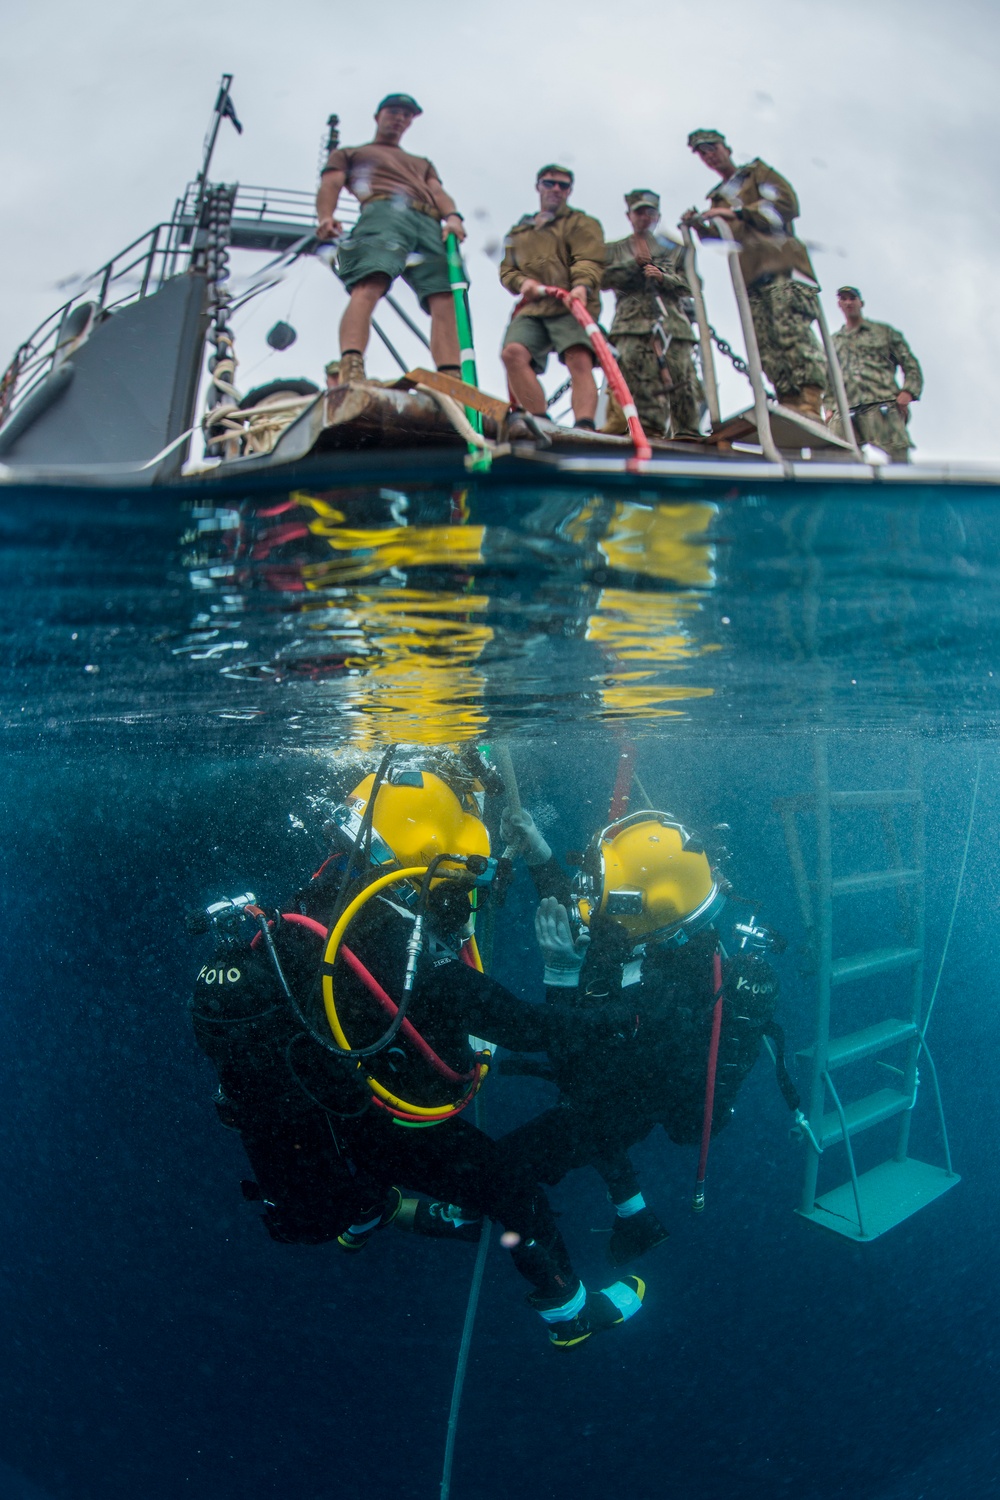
(406, 216)
(557, 246)
(870, 354)
(760, 208)
(651, 332)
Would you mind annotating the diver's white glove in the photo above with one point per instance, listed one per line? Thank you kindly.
(520, 831)
(562, 952)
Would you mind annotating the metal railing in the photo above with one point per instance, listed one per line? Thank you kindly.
(755, 372)
(264, 218)
(129, 276)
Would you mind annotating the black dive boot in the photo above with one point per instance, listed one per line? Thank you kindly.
(442, 1221)
(357, 1236)
(586, 1313)
(633, 1236)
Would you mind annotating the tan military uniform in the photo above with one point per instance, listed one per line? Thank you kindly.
(869, 356)
(567, 250)
(773, 260)
(640, 303)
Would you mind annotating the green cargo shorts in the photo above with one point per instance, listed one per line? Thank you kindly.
(544, 336)
(394, 240)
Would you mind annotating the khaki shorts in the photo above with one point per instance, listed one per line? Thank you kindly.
(393, 240)
(544, 336)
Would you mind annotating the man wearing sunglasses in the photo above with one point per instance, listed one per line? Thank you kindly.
(557, 246)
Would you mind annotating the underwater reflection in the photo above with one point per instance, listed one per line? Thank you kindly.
(414, 621)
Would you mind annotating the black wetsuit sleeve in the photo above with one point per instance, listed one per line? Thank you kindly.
(489, 1010)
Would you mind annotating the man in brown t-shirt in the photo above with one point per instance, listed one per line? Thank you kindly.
(406, 216)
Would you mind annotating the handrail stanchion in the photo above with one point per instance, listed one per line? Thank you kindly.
(704, 330)
(754, 368)
(839, 388)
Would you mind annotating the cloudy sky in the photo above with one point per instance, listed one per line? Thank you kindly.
(881, 114)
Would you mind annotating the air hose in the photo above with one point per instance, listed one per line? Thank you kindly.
(295, 919)
(616, 380)
(401, 1109)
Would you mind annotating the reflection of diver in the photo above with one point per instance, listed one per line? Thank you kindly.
(642, 933)
(327, 1104)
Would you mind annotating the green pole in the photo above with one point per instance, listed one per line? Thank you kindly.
(467, 353)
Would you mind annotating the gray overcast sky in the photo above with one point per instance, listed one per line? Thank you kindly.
(882, 115)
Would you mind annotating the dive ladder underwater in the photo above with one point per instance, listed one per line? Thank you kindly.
(873, 1201)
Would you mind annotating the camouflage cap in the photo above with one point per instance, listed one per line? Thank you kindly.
(401, 101)
(849, 291)
(332, 367)
(707, 138)
(642, 198)
(553, 166)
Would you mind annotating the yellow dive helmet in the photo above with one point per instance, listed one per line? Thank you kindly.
(648, 874)
(416, 817)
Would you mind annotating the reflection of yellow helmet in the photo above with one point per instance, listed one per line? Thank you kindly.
(650, 876)
(417, 816)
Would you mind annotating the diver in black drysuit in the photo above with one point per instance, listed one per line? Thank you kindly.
(324, 1156)
(653, 1071)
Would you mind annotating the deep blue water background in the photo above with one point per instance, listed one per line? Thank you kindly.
(159, 1344)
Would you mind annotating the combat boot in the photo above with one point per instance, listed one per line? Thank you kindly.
(352, 367)
(634, 1236)
(808, 401)
(357, 1235)
(573, 1322)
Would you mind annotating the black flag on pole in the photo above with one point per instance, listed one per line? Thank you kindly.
(224, 105)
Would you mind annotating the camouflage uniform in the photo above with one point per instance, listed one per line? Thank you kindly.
(869, 357)
(636, 312)
(779, 275)
(783, 312)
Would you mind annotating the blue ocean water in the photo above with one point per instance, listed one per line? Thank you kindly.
(189, 681)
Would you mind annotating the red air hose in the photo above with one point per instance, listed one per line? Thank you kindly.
(623, 784)
(608, 363)
(713, 1062)
(372, 985)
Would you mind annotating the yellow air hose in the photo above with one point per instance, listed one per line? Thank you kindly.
(413, 872)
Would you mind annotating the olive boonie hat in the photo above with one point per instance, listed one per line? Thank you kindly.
(707, 138)
(642, 198)
(401, 101)
(849, 291)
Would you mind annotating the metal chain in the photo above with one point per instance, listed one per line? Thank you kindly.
(217, 217)
(739, 365)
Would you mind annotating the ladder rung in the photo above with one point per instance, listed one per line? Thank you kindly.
(877, 880)
(874, 799)
(863, 1114)
(889, 1193)
(858, 1044)
(860, 965)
